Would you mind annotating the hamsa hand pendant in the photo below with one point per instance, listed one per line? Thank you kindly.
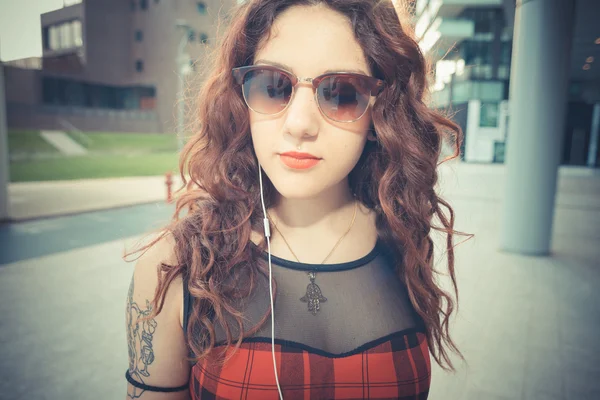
(313, 295)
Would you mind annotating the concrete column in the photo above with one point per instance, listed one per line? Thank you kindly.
(538, 96)
(4, 160)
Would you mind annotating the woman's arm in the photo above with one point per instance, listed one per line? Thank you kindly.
(157, 348)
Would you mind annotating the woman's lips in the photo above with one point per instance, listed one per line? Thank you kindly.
(298, 163)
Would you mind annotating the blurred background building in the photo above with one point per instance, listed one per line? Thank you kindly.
(470, 43)
(110, 65)
(114, 65)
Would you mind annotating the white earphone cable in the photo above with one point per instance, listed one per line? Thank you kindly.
(268, 235)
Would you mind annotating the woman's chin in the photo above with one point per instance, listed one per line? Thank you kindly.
(297, 191)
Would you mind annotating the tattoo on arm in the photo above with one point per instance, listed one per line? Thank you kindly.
(139, 341)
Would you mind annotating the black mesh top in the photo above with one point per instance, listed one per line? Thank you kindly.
(366, 300)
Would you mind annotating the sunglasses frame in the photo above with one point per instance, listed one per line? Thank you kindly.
(375, 85)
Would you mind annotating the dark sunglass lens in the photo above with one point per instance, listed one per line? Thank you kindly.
(267, 91)
(343, 98)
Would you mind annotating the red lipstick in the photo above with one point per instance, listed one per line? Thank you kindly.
(296, 160)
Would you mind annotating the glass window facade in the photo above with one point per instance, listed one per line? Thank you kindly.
(65, 92)
(488, 53)
(66, 35)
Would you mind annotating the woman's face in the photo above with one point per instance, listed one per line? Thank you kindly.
(308, 41)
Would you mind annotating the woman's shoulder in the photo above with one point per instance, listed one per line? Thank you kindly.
(162, 251)
(147, 272)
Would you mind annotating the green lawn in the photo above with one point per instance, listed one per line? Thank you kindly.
(28, 142)
(93, 166)
(110, 155)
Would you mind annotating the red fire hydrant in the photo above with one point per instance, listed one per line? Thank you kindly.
(169, 183)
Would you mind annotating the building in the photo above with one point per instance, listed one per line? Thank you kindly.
(111, 65)
(27, 63)
(470, 42)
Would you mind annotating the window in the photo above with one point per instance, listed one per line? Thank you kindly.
(143, 4)
(488, 115)
(461, 92)
(139, 36)
(54, 38)
(52, 91)
(484, 18)
(66, 92)
(77, 37)
(486, 21)
(476, 52)
(499, 151)
(505, 53)
(503, 72)
(149, 91)
(66, 35)
(66, 39)
(492, 91)
(201, 7)
(203, 38)
(46, 38)
(139, 65)
(74, 93)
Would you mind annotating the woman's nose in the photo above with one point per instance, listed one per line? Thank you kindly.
(302, 115)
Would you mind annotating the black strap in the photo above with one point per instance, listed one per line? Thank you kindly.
(154, 388)
(187, 304)
(188, 300)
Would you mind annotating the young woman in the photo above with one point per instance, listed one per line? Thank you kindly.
(310, 193)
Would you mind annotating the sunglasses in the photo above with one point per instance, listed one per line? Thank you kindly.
(341, 96)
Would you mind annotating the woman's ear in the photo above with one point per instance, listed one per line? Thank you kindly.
(371, 134)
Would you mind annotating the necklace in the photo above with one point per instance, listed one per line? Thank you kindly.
(314, 297)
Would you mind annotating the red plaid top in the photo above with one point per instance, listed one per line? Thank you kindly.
(394, 367)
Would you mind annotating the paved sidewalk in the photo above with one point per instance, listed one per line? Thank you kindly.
(528, 326)
(31, 200)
